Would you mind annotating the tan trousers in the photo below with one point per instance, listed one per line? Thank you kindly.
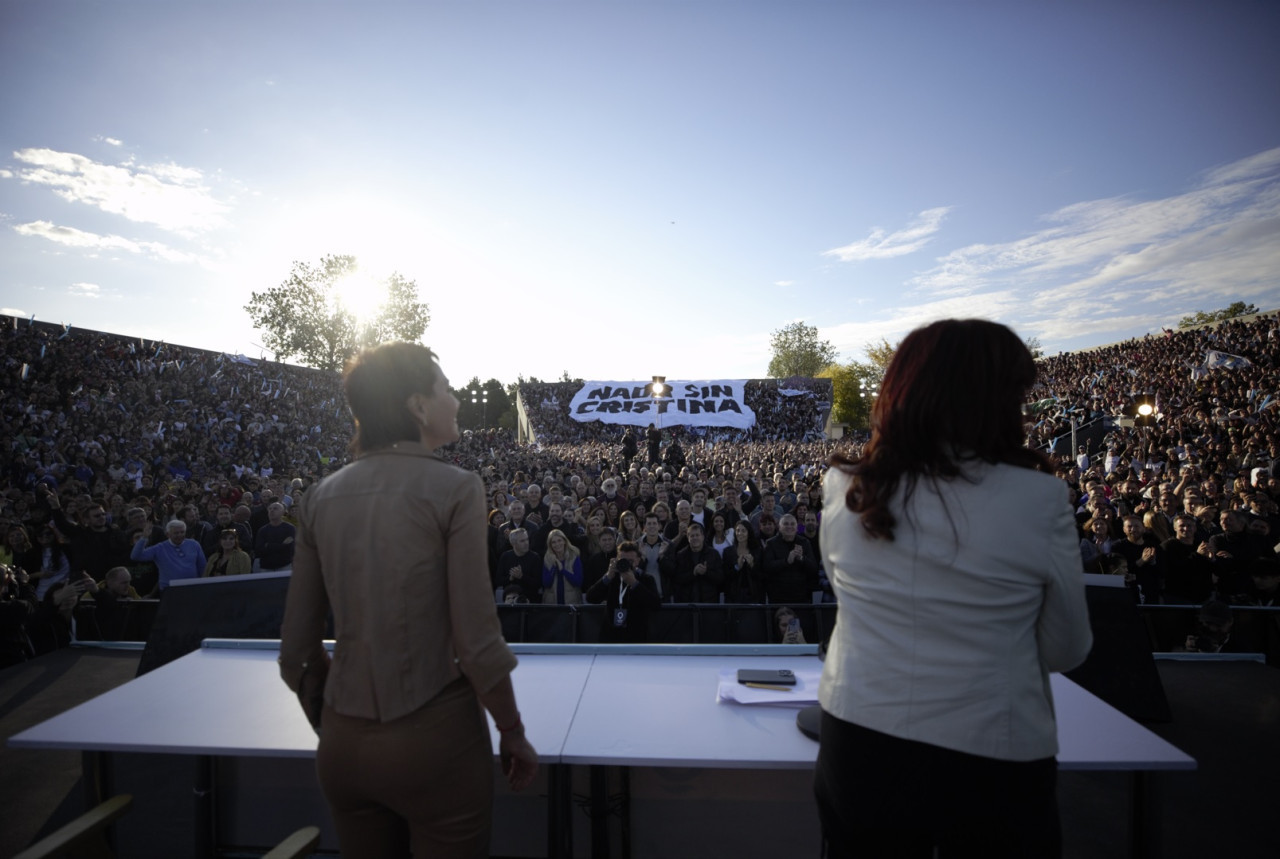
(423, 782)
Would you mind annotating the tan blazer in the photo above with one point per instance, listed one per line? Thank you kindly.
(395, 543)
(239, 564)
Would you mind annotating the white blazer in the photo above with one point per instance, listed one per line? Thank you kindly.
(946, 635)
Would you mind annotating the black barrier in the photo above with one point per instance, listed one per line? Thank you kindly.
(127, 620)
(1256, 629)
(228, 607)
(1120, 668)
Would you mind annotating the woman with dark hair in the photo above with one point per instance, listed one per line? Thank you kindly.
(954, 558)
(719, 535)
(743, 567)
(394, 543)
(229, 559)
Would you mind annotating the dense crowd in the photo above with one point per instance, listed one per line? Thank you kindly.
(111, 442)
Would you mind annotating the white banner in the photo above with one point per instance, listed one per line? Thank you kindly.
(715, 403)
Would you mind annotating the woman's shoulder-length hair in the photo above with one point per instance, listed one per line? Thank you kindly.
(378, 383)
(953, 394)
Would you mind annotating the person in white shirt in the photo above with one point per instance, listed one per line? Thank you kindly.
(953, 554)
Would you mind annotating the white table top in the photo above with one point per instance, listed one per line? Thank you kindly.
(233, 703)
(580, 705)
(662, 711)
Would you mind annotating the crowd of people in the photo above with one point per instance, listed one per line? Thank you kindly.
(113, 442)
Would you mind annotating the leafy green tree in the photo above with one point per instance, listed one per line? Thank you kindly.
(1033, 345)
(797, 351)
(306, 317)
(851, 400)
(1236, 308)
(879, 357)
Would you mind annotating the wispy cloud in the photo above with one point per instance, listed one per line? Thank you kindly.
(170, 196)
(1117, 264)
(783, 282)
(851, 338)
(86, 290)
(882, 245)
(72, 237)
(110, 141)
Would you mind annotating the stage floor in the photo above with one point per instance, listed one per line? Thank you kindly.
(1224, 716)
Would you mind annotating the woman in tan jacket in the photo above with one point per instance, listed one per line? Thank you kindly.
(230, 559)
(394, 544)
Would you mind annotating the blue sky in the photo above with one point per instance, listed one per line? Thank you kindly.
(636, 188)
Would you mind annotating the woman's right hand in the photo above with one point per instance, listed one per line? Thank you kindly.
(519, 759)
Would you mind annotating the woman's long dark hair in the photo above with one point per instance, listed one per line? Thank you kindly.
(952, 394)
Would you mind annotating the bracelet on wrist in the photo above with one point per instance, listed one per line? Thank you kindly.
(513, 727)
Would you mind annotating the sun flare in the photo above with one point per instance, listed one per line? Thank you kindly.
(360, 294)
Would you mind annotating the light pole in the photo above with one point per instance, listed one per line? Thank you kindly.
(481, 397)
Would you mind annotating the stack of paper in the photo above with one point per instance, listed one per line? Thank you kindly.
(803, 694)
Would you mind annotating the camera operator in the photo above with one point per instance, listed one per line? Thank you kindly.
(629, 596)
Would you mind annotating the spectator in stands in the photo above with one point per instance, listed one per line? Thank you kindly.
(720, 535)
(678, 527)
(595, 564)
(651, 546)
(175, 558)
(55, 567)
(18, 604)
(695, 572)
(629, 447)
(630, 596)
(222, 522)
(790, 565)
(515, 519)
(138, 520)
(556, 521)
(743, 568)
(1188, 572)
(629, 527)
(698, 506)
(768, 528)
(52, 626)
(1212, 634)
(1142, 553)
(93, 546)
(788, 626)
(274, 541)
(534, 504)
(561, 571)
(1231, 551)
(108, 597)
(768, 507)
(228, 559)
(520, 567)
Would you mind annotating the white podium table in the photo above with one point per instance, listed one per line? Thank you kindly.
(598, 705)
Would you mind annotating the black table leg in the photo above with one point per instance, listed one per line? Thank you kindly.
(559, 811)
(599, 812)
(206, 823)
(1144, 816)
